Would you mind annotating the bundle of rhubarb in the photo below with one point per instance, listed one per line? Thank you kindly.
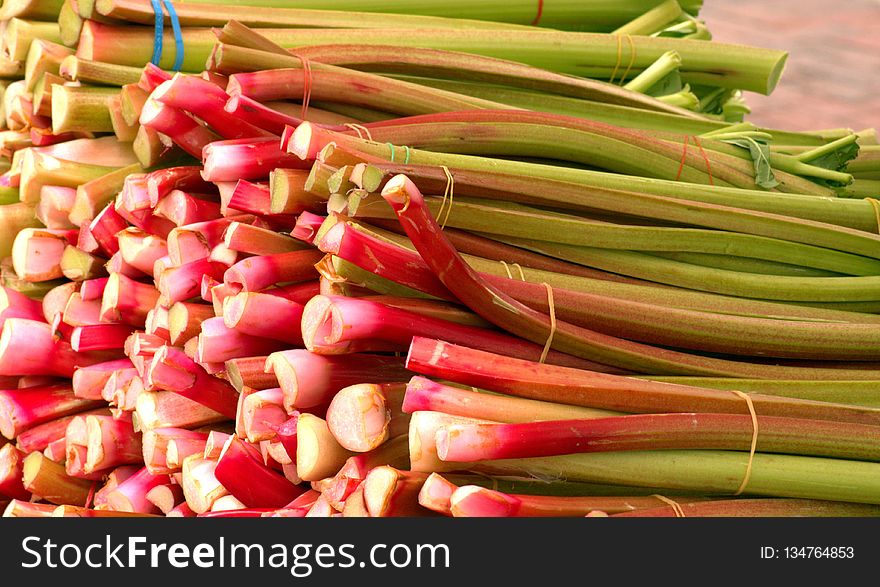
(528, 262)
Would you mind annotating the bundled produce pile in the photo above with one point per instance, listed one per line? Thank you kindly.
(529, 261)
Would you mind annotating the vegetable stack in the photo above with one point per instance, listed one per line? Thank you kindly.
(531, 261)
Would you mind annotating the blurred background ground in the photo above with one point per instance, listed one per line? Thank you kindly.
(832, 78)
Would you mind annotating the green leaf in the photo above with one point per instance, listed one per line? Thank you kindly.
(760, 153)
(669, 84)
(837, 159)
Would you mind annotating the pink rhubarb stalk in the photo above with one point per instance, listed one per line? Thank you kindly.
(232, 160)
(171, 369)
(310, 380)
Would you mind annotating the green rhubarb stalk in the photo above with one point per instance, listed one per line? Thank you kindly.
(583, 54)
(857, 393)
(14, 217)
(683, 98)
(92, 196)
(280, 16)
(720, 208)
(670, 272)
(70, 24)
(615, 149)
(81, 109)
(39, 169)
(437, 63)
(665, 65)
(525, 222)
(601, 16)
(671, 297)
(335, 84)
(709, 471)
(862, 188)
(35, 9)
(758, 508)
(43, 56)
(745, 264)
(657, 322)
(494, 305)
(133, 46)
(20, 33)
(74, 68)
(653, 20)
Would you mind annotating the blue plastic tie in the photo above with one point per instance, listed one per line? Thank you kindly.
(178, 36)
(158, 30)
(159, 33)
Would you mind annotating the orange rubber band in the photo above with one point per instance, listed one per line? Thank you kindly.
(705, 158)
(540, 13)
(307, 85)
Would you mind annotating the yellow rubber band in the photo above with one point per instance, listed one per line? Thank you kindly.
(676, 507)
(754, 445)
(448, 193)
(552, 322)
(632, 59)
(362, 131)
(875, 203)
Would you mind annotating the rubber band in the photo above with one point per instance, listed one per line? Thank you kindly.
(705, 158)
(408, 152)
(619, 59)
(178, 35)
(307, 85)
(540, 13)
(391, 145)
(676, 507)
(448, 193)
(684, 153)
(362, 131)
(552, 305)
(632, 58)
(876, 205)
(507, 268)
(754, 444)
(159, 33)
(522, 275)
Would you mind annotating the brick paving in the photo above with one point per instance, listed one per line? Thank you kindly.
(832, 77)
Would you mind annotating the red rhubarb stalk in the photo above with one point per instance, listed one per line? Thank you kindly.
(257, 273)
(171, 369)
(206, 101)
(475, 442)
(264, 315)
(22, 409)
(333, 323)
(611, 392)
(183, 129)
(473, 501)
(310, 380)
(362, 417)
(232, 160)
(11, 472)
(217, 343)
(241, 471)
